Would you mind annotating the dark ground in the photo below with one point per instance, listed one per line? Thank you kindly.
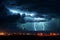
(29, 37)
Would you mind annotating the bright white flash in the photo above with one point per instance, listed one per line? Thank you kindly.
(14, 11)
(21, 12)
(39, 19)
(31, 14)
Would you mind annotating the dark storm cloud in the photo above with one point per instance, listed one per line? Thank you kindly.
(41, 6)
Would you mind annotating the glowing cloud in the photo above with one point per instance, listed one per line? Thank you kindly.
(39, 19)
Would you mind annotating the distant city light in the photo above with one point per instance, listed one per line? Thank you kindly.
(37, 34)
(48, 34)
(2, 33)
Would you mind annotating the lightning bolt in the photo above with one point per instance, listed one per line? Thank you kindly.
(34, 26)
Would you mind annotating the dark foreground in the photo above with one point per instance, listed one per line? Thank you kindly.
(30, 37)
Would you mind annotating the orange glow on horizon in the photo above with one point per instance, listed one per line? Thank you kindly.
(2, 33)
(50, 34)
(38, 34)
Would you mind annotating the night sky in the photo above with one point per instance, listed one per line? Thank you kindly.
(12, 23)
